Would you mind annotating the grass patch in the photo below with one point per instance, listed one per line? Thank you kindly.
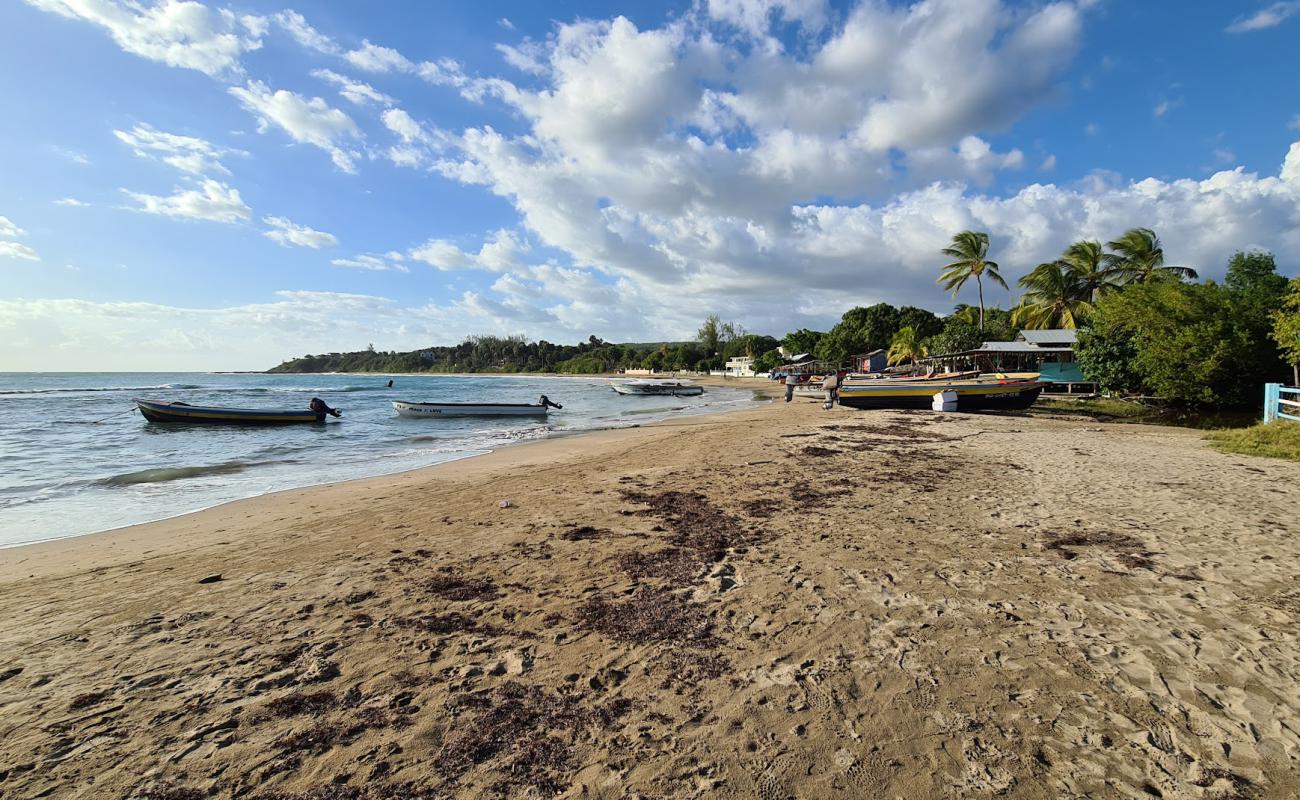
(1279, 439)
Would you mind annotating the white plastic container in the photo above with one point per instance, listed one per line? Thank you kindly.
(944, 401)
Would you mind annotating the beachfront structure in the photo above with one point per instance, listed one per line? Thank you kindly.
(875, 361)
(739, 367)
(1047, 352)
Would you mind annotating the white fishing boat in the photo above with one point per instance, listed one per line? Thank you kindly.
(538, 409)
(673, 388)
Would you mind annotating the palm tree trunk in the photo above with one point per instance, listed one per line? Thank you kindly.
(980, 283)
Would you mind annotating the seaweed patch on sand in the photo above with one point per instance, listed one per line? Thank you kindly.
(651, 614)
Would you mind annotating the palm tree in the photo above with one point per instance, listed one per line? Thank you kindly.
(906, 347)
(1054, 297)
(970, 249)
(1092, 267)
(1138, 256)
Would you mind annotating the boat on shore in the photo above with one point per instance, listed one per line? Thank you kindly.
(973, 394)
(673, 388)
(159, 411)
(539, 409)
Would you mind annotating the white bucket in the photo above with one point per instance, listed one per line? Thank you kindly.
(944, 401)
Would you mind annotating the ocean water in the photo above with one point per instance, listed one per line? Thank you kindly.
(78, 457)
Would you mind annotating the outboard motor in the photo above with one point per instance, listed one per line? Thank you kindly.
(545, 402)
(320, 409)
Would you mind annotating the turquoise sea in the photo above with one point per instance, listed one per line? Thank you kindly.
(78, 458)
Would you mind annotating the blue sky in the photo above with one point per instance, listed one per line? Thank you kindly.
(223, 185)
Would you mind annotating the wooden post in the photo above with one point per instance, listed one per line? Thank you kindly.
(1271, 396)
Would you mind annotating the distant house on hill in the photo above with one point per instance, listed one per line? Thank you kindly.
(1049, 352)
(739, 367)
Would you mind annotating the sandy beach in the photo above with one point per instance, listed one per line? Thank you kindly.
(773, 603)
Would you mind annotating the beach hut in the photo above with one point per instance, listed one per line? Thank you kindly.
(874, 361)
(1050, 353)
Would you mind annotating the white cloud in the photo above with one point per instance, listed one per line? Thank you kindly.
(212, 201)
(287, 234)
(1048, 164)
(500, 253)
(755, 16)
(18, 250)
(1161, 109)
(1092, 129)
(506, 23)
(186, 153)
(357, 92)
(70, 201)
(75, 156)
(8, 228)
(311, 121)
(1268, 17)
(375, 58)
(296, 25)
(174, 32)
(1224, 156)
(419, 144)
(372, 262)
(1294, 124)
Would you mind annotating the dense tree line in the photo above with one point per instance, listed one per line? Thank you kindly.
(1205, 343)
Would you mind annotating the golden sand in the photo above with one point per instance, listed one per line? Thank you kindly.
(773, 603)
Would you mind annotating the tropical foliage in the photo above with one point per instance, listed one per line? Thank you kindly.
(906, 347)
(970, 251)
(1203, 343)
(1286, 328)
(1055, 297)
(1138, 256)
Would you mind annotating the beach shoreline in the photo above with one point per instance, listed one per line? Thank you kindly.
(777, 601)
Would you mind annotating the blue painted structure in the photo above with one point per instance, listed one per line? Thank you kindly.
(1281, 402)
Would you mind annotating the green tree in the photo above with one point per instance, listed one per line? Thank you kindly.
(710, 335)
(1054, 297)
(906, 347)
(858, 331)
(768, 361)
(1181, 341)
(801, 341)
(1258, 293)
(1286, 329)
(970, 250)
(1138, 257)
(926, 323)
(1095, 272)
(1106, 356)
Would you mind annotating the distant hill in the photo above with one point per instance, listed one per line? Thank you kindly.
(500, 354)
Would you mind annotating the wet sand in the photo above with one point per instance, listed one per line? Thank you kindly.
(772, 603)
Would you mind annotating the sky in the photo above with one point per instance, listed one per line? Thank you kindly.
(224, 185)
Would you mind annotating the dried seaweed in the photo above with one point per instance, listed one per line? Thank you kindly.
(1130, 551)
(577, 533)
(451, 586)
(532, 730)
(652, 614)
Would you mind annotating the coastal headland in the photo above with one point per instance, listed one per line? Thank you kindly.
(778, 602)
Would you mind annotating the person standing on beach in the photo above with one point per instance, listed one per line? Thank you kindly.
(790, 380)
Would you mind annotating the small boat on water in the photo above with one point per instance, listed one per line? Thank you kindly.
(673, 388)
(158, 411)
(973, 394)
(538, 409)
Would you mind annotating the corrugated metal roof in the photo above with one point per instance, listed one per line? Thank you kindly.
(1051, 336)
